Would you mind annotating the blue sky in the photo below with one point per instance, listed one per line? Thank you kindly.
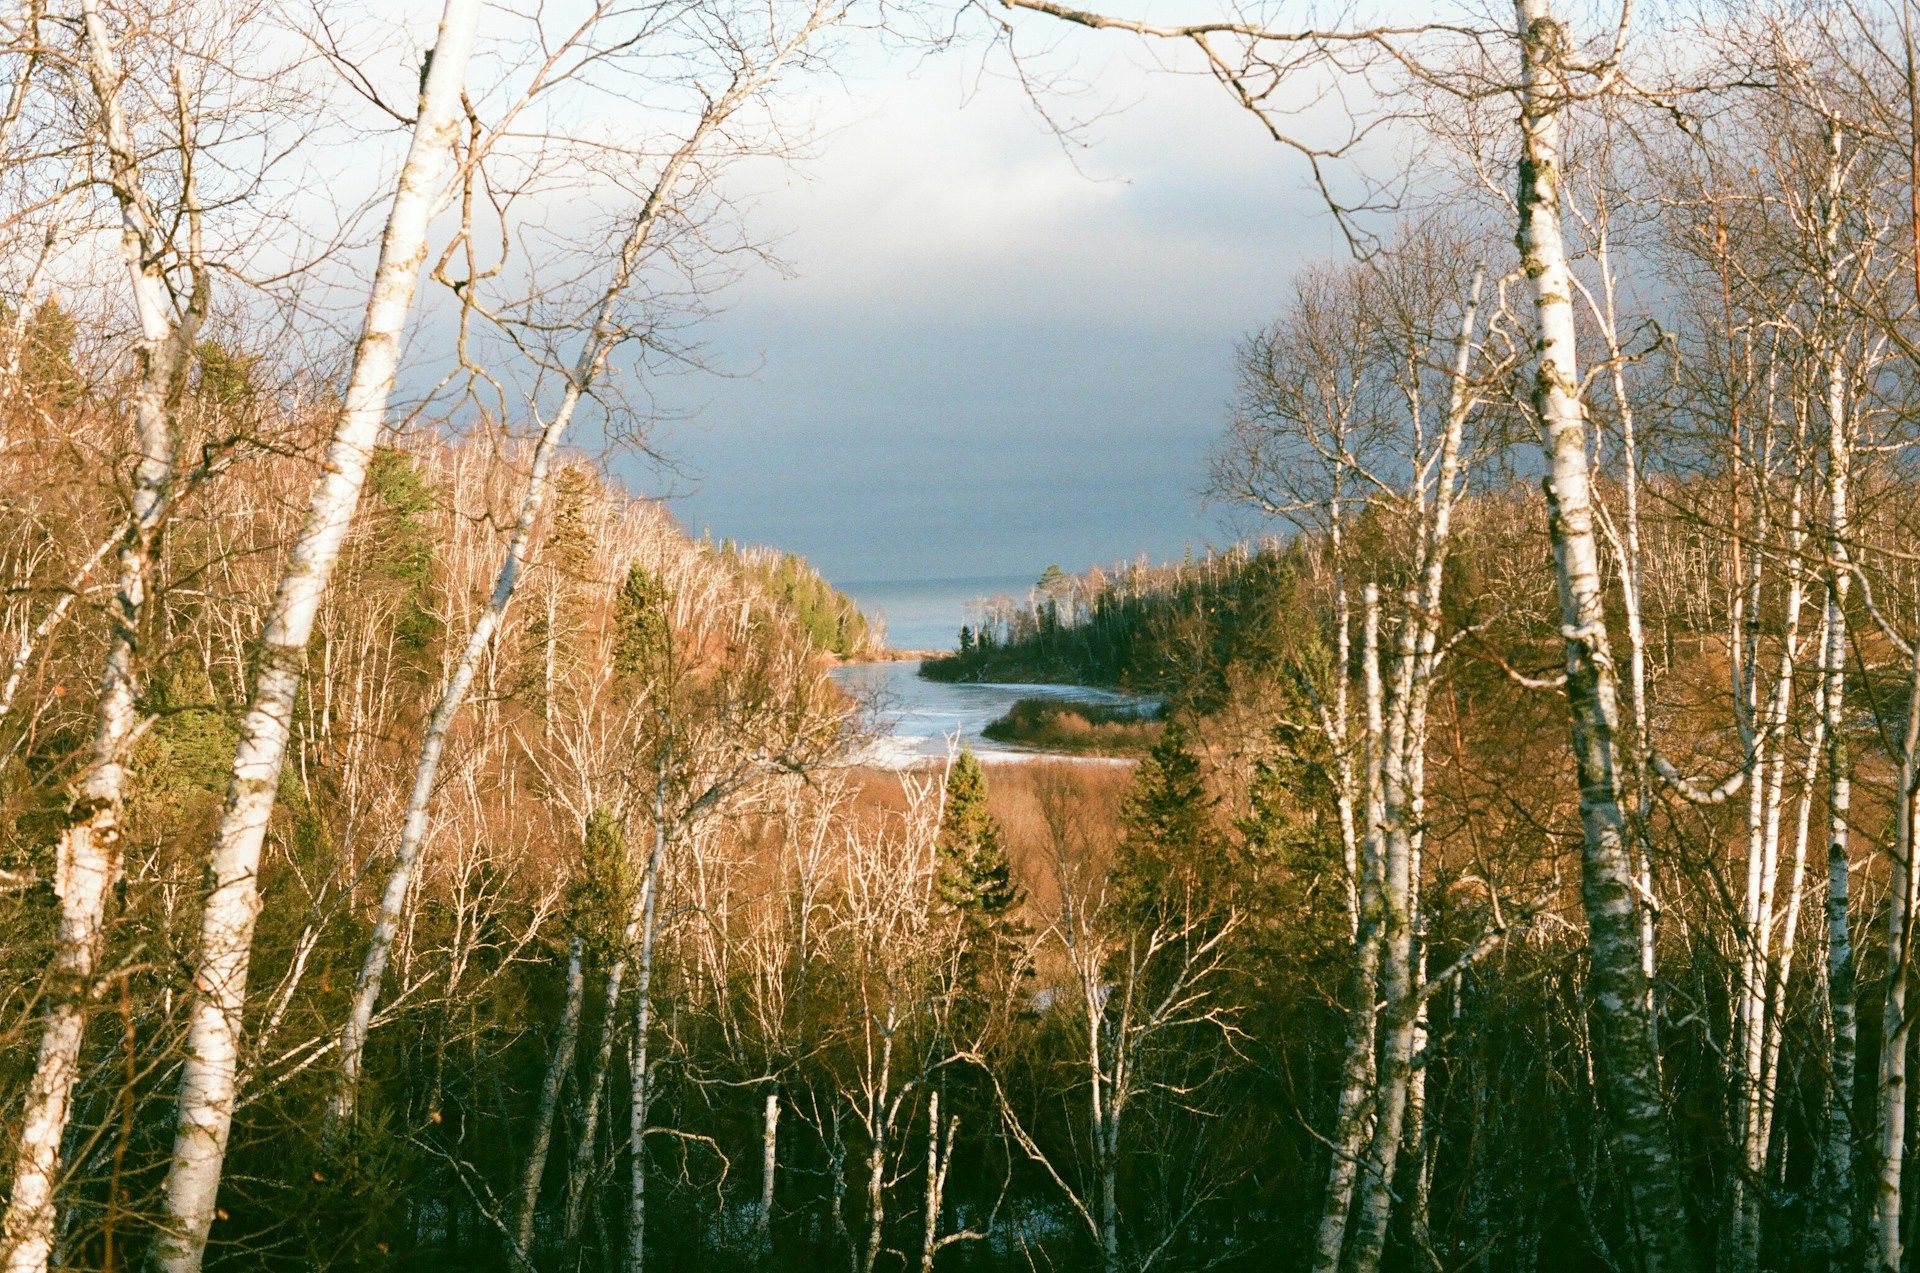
(989, 352)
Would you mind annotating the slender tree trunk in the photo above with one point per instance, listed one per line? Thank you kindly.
(413, 833)
(1619, 983)
(557, 1067)
(581, 1169)
(1397, 990)
(1842, 1014)
(1796, 891)
(204, 1115)
(1100, 1095)
(594, 348)
(1351, 1127)
(936, 1184)
(56, 613)
(641, 1069)
(87, 857)
(769, 1166)
(1761, 978)
(1897, 1024)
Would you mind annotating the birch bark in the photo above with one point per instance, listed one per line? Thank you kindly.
(557, 1067)
(87, 857)
(1619, 983)
(1897, 1022)
(204, 1111)
(1351, 1129)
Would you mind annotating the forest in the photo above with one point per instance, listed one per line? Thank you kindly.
(420, 852)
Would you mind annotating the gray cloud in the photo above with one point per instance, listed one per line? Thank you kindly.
(986, 358)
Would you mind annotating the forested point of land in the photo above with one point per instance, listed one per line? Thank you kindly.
(419, 852)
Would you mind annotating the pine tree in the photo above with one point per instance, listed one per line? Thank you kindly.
(1172, 858)
(400, 504)
(226, 378)
(1293, 878)
(601, 893)
(46, 364)
(975, 880)
(641, 634)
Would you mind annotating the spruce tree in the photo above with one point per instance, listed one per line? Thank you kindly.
(602, 890)
(1293, 877)
(1172, 859)
(641, 637)
(975, 880)
(47, 366)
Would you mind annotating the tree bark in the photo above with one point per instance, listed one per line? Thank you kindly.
(1625, 1023)
(1351, 1128)
(1842, 1010)
(580, 1170)
(641, 1069)
(557, 1067)
(87, 857)
(1897, 1024)
(204, 1113)
(769, 1166)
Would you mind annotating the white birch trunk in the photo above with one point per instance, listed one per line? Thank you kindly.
(580, 1171)
(594, 350)
(1897, 1024)
(557, 1068)
(936, 1178)
(204, 1113)
(1842, 1012)
(1357, 1070)
(769, 1166)
(1619, 982)
(642, 1029)
(1395, 1052)
(1762, 981)
(87, 857)
(939, 1161)
(1397, 1090)
(879, 1129)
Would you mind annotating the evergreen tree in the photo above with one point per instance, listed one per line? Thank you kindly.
(400, 500)
(975, 880)
(564, 594)
(1172, 858)
(225, 378)
(602, 890)
(1294, 883)
(46, 362)
(641, 635)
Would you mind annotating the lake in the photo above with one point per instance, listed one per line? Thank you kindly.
(926, 614)
(916, 718)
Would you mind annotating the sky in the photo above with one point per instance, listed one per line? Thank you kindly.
(991, 351)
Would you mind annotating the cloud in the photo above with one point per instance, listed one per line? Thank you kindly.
(988, 357)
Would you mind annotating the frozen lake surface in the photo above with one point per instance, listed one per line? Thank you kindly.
(917, 719)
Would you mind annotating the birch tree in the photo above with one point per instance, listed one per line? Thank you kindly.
(206, 1097)
(749, 64)
(1252, 61)
(1404, 407)
(170, 287)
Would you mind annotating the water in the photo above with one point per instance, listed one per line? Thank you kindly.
(926, 614)
(916, 719)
